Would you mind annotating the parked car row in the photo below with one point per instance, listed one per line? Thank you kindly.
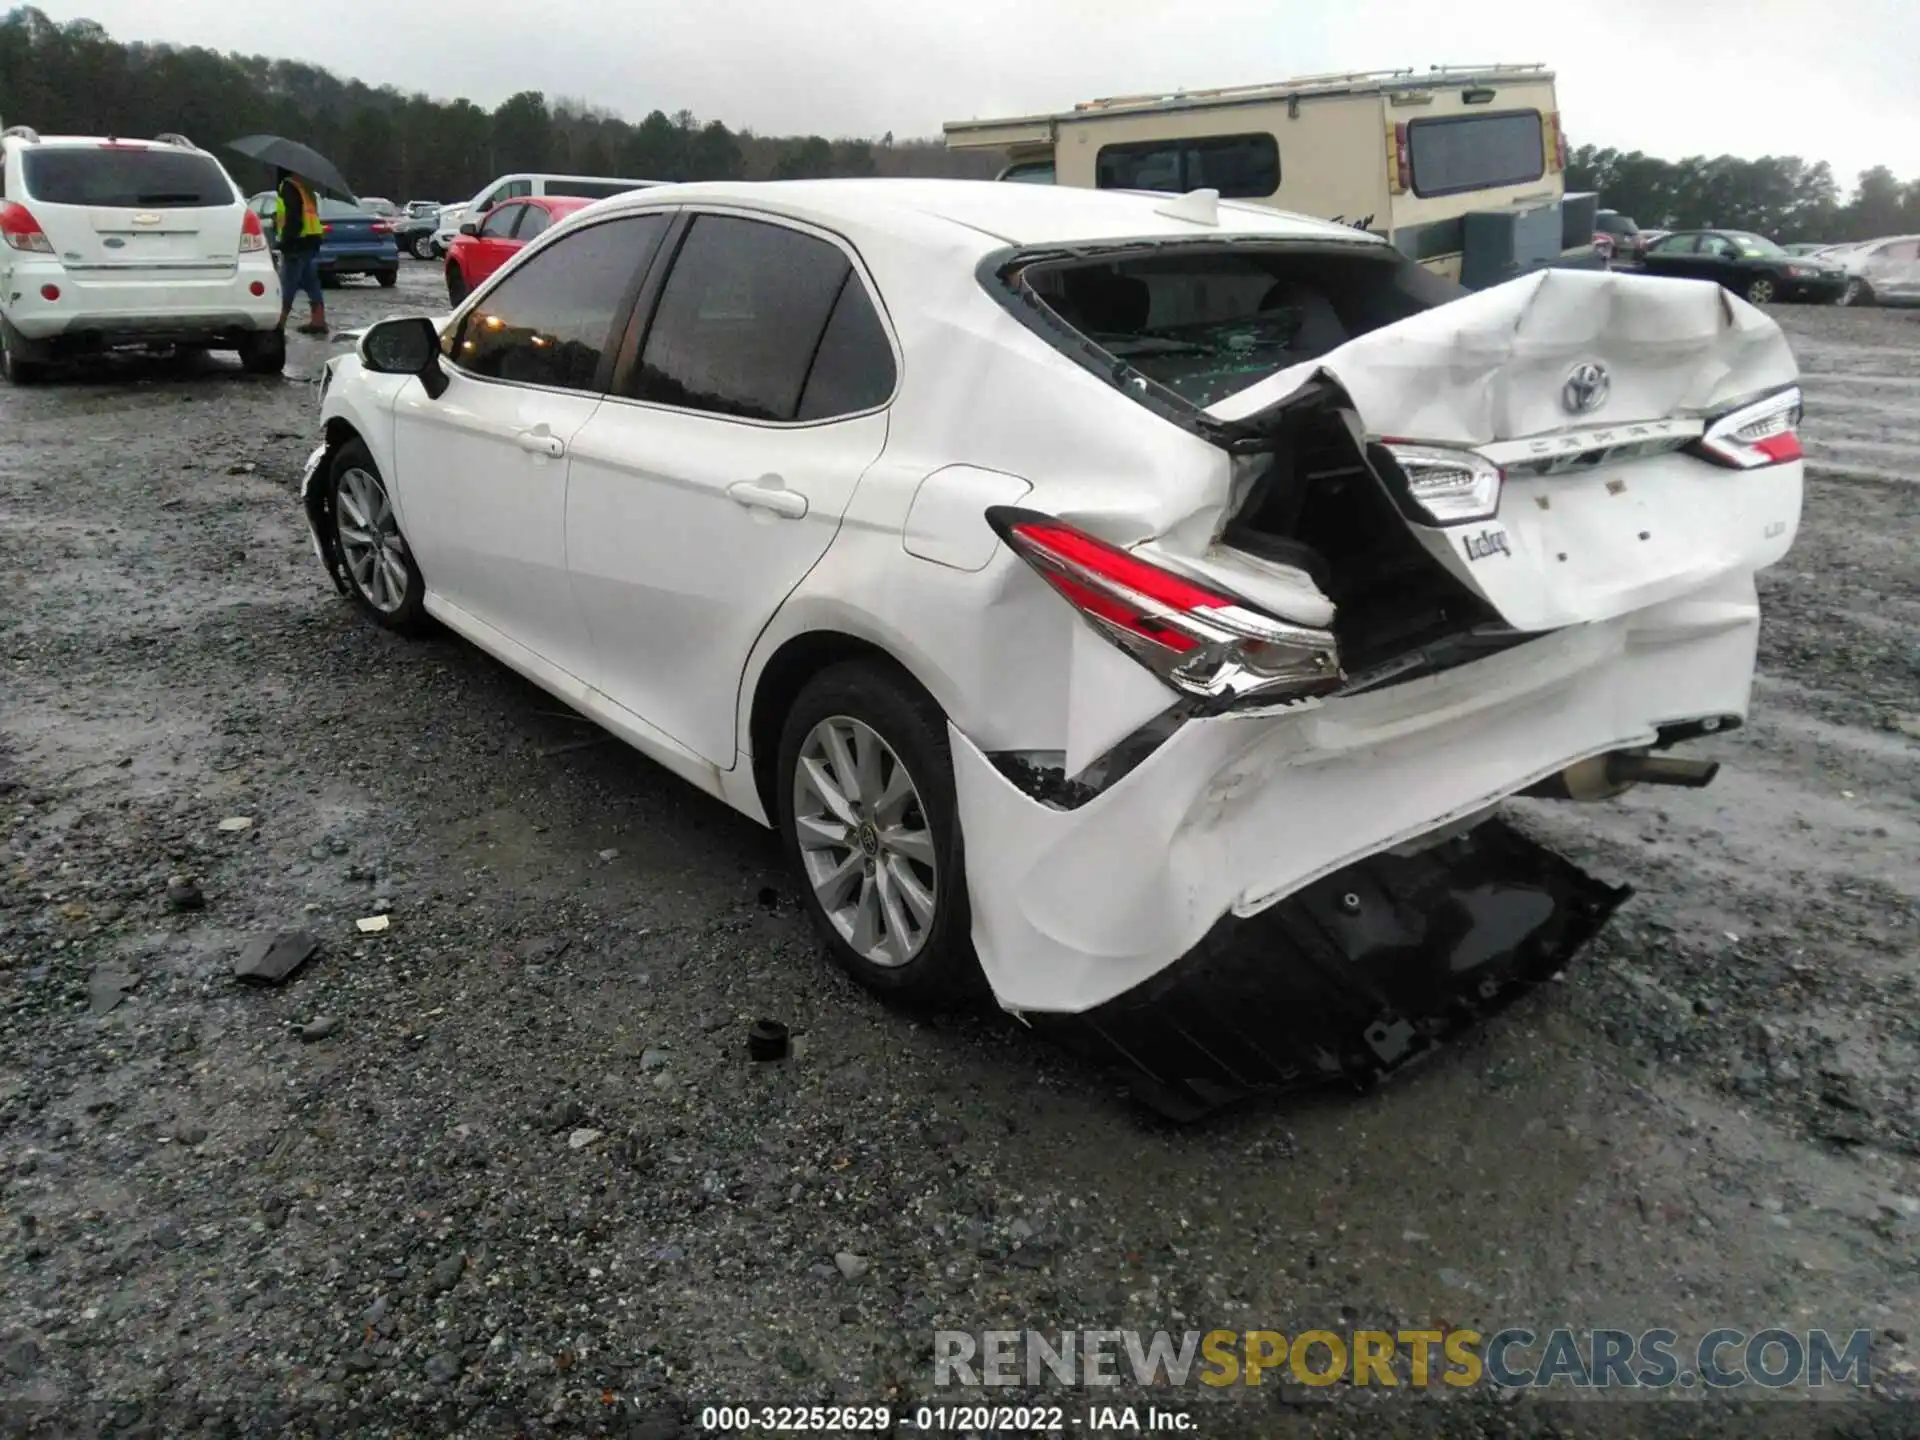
(1869, 272)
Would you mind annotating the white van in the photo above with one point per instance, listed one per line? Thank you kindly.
(518, 187)
(112, 243)
(1463, 168)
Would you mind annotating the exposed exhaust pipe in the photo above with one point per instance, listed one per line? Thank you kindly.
(1601, 777)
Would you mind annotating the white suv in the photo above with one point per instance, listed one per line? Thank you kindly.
(114, 243)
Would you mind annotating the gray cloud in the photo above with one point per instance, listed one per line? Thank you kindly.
(1672, 77)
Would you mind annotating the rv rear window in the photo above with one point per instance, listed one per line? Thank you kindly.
(1452, 153)
(1240, 167)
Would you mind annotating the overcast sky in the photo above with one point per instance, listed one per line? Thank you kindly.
(1825, 79)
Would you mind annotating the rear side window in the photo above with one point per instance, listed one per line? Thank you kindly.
(124, 179)
(549, 322)
(1452, 153)
(533, 223)
(741, 318)
(1241, 167)
(1205, 322)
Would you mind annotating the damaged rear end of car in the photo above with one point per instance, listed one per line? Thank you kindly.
(1461, 547)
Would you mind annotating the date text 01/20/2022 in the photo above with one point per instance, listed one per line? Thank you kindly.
(943, 1419)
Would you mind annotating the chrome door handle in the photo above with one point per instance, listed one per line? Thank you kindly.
(769, 494)
(540, 440)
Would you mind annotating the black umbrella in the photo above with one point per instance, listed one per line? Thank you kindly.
(302, 160)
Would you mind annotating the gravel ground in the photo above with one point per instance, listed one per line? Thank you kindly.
(505, 1167)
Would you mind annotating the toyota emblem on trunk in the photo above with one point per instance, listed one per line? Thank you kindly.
(1586, 389)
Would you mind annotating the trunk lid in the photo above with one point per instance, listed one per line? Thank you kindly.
(1584, 388)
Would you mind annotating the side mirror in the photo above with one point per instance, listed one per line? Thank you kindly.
(407, 345)
(470, 228)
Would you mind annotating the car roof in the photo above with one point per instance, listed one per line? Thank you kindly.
(1023, 215)
(95, 142)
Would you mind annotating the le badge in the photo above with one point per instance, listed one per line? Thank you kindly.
(1487, 542)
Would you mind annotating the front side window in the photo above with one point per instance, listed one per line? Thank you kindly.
(741, 318)
(133, 178)
(551, 320)
(1453, 153)
(1240, 167)
(1031, 172)
(500, 222)
(1674, 245)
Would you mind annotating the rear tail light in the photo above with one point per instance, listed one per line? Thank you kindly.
(1402, 175)
(1452, 486)
(21, 230)
(326, 229)
(1766, 432)
(1211, 646)
(380, 227)
(252, 237)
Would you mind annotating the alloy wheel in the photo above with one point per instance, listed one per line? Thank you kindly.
(370, 540)
(1851, 295)
(865, 841)
(1760, 292)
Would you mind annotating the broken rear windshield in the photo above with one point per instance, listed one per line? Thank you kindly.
(1206, 322)
(124, 179)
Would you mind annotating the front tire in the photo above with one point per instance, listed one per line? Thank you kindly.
(375, 556)
(1858, 292)
(869, 822)
(1760, 290)
(457, 287)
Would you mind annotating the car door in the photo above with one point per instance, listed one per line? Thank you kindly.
(716, 474)
(1674, 255)
(482, 469)
(1722, 261)
(1893, 270)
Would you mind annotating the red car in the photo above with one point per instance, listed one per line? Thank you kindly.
(483, 246)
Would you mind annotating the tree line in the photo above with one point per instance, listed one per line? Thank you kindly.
(1780, 196)
(75, 78)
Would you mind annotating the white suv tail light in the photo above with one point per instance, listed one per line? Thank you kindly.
(1208, 645)
(253, 238)
(21, 231)
(1766, 432)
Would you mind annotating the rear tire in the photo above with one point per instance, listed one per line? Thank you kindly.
(388, 279)
(868, 819)
(21, 361)
(264, 352)
(1760, 291)
(381, 575)
(457, 287)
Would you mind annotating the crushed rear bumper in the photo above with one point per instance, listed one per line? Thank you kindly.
(1352, 977)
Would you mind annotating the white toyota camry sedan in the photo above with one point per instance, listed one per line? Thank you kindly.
(1139, 603)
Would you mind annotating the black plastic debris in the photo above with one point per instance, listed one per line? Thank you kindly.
(184, 894)
(269, 960)
(767, 1040)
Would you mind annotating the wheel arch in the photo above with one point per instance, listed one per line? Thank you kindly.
(777, 684)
